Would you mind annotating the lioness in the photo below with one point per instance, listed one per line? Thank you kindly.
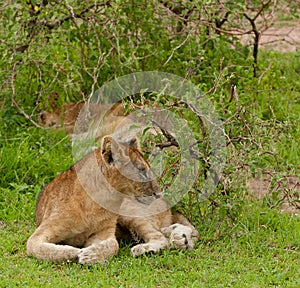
(70, 225)
(65, 116)
(159, 231)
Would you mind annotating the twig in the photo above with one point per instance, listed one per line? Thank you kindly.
(176, 48)
(72, 14)
(264, 72)
(14, 102)
(171, 140)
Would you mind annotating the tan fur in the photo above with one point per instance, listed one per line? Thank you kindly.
(160, 230)
(70, 225)
(104, 119)
(65, 116)
(60, 117)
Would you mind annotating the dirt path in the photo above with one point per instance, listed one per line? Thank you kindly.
(282, 37)
(288, 190)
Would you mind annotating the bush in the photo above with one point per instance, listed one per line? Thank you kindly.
(56, 52)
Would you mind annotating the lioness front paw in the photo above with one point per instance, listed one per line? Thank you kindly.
(90, 255)
(151, 247)
(180, 236)
(98, 252)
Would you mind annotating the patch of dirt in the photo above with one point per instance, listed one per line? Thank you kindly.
(288, 190)
(282, 36)
(285, 38)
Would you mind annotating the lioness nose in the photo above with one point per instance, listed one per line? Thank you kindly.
(154, 189)
(156, 196)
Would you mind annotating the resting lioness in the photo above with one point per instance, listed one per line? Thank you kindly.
(159, 231)
(70, 225)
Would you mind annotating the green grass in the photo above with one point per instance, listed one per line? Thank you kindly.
(259, 247)
(243, 243)
(30, 158)
(262, 249)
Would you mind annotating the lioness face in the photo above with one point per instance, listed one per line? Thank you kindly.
(49, 119)
(127, 171)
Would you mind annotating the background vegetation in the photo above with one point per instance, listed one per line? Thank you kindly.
(64, 50)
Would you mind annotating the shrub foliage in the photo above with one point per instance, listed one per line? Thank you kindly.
(62, 51)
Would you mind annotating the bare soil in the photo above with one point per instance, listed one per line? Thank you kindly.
(286, 189)
(284, 38)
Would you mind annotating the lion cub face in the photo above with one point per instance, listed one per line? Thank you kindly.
(126, 170)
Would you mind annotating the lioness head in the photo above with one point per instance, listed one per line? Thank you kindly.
(126, 170)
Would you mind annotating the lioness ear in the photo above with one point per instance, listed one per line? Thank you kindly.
(134, 142)
(106, 149)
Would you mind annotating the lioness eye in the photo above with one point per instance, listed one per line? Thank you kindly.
(143, 171)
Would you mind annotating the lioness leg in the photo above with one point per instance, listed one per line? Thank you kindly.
(42, 244)
(145, 228)
(99, 247)
(154, 239)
